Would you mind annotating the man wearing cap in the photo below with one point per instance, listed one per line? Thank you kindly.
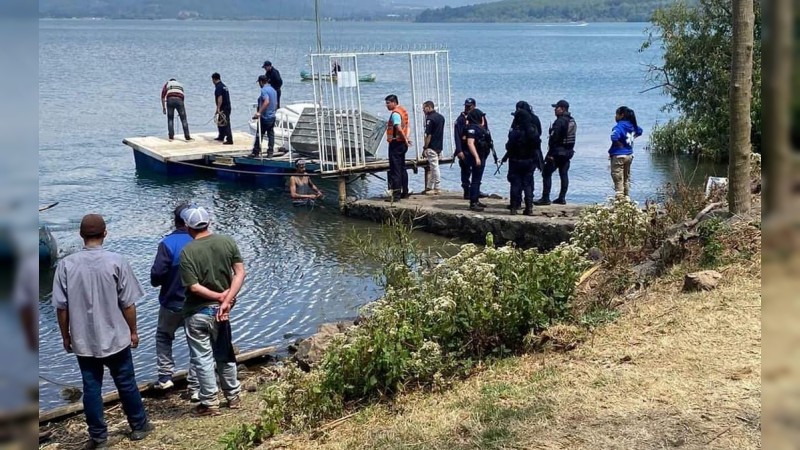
(274, 79)
(172, 99)
(166, 274)
(459, 128)
(560, 150)
(95, 294)
(212, 272)
(222, 99)
(302, 190)
(265, 114)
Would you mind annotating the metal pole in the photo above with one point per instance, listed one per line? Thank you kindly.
(414, 102)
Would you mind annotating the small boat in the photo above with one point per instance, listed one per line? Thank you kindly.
(307, 76)
(48, 248)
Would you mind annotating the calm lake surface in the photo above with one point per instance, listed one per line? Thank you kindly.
(100, 81)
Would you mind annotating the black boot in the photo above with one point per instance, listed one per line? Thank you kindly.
(513, 211)
(475, 207)
(560, 201)
(542, 202)
(466, 194)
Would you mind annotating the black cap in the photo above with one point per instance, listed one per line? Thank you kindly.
(266, 64)
(177, 212)
(475, 116)
(262, 78)
(561, 104)
(469, 102)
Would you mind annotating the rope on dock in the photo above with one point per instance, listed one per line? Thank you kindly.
(72, 386)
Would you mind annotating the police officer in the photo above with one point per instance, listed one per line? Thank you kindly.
(222, 98)
(274, 79)
(560, 150)
(524, 155)
(476, 149)
(459, 128)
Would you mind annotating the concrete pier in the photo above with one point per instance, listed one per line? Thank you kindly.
(448, 215)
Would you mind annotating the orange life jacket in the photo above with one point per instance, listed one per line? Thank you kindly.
(390, 132)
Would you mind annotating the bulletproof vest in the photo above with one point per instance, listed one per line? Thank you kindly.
(572, 129)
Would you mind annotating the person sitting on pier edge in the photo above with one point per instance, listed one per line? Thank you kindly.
(478, 145)
(266, 117)
(621, 151)
(165, 273)
(94, 295)
(274, 79)
(222, 98)
(397, 134)
(560, 150)
(434, 142)
(459, 127)
(302, 190)
(172, 99)
(212, 272)
(524, 155)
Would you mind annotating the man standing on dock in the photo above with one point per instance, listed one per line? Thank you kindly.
(434, 143)
(397, 134)
(461, 152)
(222, 98)
(560, 150)
(265, 115)
(166, 273)
(274, 79)
(212, 271)
(95, 294)
(172, 99)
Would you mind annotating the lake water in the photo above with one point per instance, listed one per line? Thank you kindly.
(100, 82)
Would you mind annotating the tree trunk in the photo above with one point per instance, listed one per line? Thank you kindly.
(777, 99)
(741, 91)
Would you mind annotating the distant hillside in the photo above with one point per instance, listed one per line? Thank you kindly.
(548, 11)
(239, 9)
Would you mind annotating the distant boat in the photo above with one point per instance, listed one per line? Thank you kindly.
(307, 76)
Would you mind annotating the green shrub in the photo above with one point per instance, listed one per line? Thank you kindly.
(713, 249)
(617, 229)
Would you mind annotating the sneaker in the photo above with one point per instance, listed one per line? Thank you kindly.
(235, 402)
(476, 207)
(220, 139)
(202, 410)
(92, 444)
(227, 143)
(560, 201)
(194, 397)
(541, 202)
(171, 139)
(188, 139)
(253, 154)
(164, 382)
(481, 204)
(138, 435)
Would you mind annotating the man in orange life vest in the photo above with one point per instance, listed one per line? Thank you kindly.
(398, 135)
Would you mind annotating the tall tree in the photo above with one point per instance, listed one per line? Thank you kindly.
(741, 92)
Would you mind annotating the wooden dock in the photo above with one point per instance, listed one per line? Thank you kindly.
(203, 144)
(448, 215)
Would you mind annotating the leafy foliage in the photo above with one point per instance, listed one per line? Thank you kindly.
(616, 229)
(547, 11)
(697, 45)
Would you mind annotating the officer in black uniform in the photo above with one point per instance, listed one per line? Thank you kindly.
(459, 128)
(476, 149)
(560, 150)
(524, 155)
(274, 79)
(222, 98)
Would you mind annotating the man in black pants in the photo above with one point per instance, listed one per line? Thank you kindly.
(398, 136)
(222, 98)
(274, 79)
(524, 155)
(560, 150)
(459, 128)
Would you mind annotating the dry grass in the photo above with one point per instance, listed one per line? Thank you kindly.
(676, 370)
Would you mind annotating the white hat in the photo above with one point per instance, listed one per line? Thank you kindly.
(196, 217)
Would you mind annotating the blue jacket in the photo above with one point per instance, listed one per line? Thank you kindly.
(622, 138)
(166, 270)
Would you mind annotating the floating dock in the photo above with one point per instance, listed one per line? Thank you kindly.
(448, 215)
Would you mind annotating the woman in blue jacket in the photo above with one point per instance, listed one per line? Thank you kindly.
(621, 151)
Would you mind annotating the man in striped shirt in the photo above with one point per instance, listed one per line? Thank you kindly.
(172, 99)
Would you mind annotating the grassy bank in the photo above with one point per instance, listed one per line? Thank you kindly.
(469, 352)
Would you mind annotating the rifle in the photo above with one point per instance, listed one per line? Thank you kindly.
(502, 161)
(494, 155)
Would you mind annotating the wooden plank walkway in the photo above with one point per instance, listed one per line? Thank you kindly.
(164, 150)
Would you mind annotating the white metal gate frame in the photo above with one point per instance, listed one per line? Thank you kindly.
(337, 100)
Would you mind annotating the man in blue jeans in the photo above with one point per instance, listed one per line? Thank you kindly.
(212, 272)
(267, 105)
(166, 274)
(94, 294)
